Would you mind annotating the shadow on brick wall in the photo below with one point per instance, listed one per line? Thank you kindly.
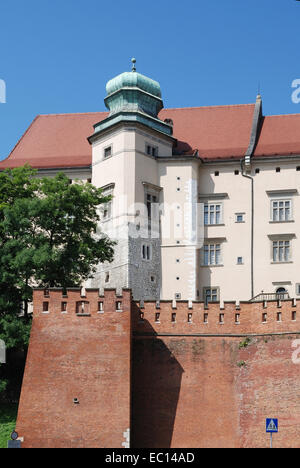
(156, 383)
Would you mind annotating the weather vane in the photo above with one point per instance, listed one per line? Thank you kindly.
(133, 60)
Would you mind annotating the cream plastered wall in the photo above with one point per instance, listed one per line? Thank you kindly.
(267, 275)
(232, 192)
(179, 180)
(234, 280)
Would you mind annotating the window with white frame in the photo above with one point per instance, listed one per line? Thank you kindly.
(281, 210)
(281, 251)
(211, 294)
(239, 217)
(212, 254)
(212, 213)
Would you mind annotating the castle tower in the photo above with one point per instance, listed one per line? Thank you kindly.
(125, 151)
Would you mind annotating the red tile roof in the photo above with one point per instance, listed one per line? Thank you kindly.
(219, 132)
(280, 135)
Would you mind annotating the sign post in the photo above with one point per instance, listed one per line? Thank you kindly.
(271, 428)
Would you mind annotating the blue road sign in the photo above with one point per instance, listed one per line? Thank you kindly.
(271, 425)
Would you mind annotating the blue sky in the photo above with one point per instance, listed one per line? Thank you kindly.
(57, 55)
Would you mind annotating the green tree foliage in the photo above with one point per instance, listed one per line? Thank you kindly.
(48, 238)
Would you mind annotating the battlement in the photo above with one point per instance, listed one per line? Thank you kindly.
(78, 302)
(230, 318)
(172, 317)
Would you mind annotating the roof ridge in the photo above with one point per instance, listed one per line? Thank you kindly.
(282, 115)
(72, 113)
(209, 107)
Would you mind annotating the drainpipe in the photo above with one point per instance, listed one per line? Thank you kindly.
(252, 225)
(246, 166)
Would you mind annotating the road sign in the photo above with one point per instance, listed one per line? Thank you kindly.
(271, 425)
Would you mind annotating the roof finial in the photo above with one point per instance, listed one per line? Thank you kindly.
(133, 60)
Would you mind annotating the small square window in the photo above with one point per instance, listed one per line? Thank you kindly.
(298, 168)
(239, 218)
(217, 173)
(236, 172)
(257, 171)
(178, 296)
(278, 169)
(107, 152)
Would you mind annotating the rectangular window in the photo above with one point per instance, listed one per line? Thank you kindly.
(190, 318)
(221, 318)
(278, 316)
(205, 318)
(146, 252)
(157, 317)
(212, 254)
(240, 260)
(281, 251)
(281, 210)
(211, 295)
(107, 152)
(152, 214)
(237, 318)
(293, 315)
(106, 208)
(212, 214)
(64, 306)
(45, 306)
(264, 318)
(151, 150)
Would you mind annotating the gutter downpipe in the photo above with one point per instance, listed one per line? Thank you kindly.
(246, 166)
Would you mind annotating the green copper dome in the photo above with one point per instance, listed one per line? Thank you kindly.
(132, 97)
(133, 80)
